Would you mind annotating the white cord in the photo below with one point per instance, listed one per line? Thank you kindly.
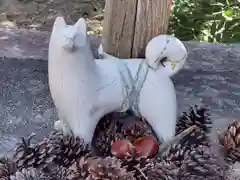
(132, 86)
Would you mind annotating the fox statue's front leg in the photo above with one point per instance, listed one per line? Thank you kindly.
(58, 125)
(86, 129)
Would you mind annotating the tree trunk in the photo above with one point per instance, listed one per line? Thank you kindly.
(130, 24)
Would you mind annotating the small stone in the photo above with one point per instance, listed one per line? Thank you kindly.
(146, 146)
(121, 148)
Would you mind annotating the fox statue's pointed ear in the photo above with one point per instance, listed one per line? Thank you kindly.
(81, 26)
(59, 22)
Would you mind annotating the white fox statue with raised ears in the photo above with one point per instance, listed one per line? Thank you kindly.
(85, 89)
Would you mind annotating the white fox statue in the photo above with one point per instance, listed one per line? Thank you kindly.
(85, 89)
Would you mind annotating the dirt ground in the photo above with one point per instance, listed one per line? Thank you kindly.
(40, 14)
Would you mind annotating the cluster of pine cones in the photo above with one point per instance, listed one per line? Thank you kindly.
(64, 157)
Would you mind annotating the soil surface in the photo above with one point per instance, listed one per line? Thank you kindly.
(40, 14)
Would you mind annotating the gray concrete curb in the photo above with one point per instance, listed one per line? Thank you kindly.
(22, 44)
(29, 44)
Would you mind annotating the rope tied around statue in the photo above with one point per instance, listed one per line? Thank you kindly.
(132, 85)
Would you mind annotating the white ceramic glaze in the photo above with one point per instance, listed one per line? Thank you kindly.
(84, 89)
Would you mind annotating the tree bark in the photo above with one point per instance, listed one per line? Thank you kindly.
(130, 24)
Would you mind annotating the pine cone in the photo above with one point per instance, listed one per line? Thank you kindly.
(28, 174)
(65, 149)
(79, 169)
(29, 155)
(56, 173)
(104, 134)
(134, 130)
(230, 140)
(195, 138)
(7, 167)
(162, 171)
(137, 165)
(57, 148)
(148, 168)
(130, 161)
(4, 174)
(98, 168)
(179, 150)
(200, 117)
(202, 164)
(176, 154)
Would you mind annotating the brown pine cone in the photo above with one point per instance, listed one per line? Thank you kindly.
(57, 148)
(22, 152)
(130, 161)
(134, 130)
(29, 155)
(65, 148)
(56, 173)
(200, 117)
(137, 164)
(28, 174)
(104, 134)
(230, 141)
(195, 138)
(7, 167)
(202, 164)
(93, 168)
(162, 171)
(148, 168)
(176, 154)
(181, 149)
(3, 171)
(79, 169)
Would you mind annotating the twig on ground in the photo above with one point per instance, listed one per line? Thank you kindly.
(166, 145)
(142, 173)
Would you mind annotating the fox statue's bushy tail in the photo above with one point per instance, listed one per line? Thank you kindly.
(163, 52)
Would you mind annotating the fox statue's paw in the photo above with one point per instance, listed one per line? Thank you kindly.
(58, 125)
